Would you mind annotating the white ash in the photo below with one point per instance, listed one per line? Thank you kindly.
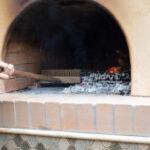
(98, 83)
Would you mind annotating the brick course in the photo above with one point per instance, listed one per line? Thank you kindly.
(117, 119)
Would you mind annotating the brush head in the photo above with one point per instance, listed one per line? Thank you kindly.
(65, 76)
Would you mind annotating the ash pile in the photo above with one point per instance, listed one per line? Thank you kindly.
(101, 83)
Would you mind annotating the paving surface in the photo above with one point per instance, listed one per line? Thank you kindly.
(24, 142)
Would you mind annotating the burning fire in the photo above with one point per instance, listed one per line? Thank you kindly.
(120, 62)
(114, 70)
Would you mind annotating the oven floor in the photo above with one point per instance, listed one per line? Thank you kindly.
(91, 83)
(43, 90)
(105, 88)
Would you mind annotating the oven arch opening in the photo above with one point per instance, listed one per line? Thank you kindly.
(65, 35)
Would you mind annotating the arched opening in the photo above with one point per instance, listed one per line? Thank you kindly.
(66, 35)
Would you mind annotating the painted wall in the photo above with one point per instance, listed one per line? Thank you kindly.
(132, 15)
(134, 18)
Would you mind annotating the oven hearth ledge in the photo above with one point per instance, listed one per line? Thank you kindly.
(94, 114)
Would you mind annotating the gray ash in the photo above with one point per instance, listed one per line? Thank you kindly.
(102, 83)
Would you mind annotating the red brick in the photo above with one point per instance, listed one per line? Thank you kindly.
(22, 115)
(37, 115)
(68, 117)
(104, 118)
(85, 117)
(1, 114)
(8, 114)
(123, 119)
(52, 116)
(142, 120)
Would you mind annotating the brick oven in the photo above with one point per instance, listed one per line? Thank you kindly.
(64, 35)
(90, 36)
(125, 20)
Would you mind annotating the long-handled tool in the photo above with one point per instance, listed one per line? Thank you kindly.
(7, 70)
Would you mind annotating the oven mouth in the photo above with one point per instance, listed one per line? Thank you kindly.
(69, 36)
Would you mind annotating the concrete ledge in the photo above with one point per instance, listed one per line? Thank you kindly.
(72, 135)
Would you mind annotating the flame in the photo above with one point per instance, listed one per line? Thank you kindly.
(121, 63)
(114, 70)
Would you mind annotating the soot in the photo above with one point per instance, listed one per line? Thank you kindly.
(81, 32)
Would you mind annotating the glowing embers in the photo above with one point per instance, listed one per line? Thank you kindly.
(115, 80)
(114, 70)
(123, 64)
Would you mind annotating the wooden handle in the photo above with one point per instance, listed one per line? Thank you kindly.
(7, 70)
(34, 76)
